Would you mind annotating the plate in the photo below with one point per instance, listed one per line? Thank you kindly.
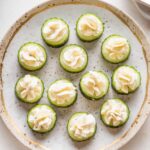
(27, 28)
(143, 7)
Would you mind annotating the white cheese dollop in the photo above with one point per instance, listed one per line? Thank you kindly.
(55, 30)
(83, 125)
(126, 79)
(94, 83)
(89, 25)
(62, 92)
(29, 87)
(117, 48)
(32, 55)
(41, 118)
(114, 112)
(74, 57)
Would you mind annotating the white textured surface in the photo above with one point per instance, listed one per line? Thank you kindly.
(142, 138)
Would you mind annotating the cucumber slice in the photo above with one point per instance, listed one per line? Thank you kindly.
(55, 32)
(41, 118)
(32, 56)
(81, 126)
(126, 79)
(73, 58)
(62, 93)
(89, 27)
(114, 113)
(115, 49)
(94, 85)
(29, 89)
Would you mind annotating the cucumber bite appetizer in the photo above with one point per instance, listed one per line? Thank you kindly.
(32, 56)
(81, 126)
(41, 118)
(115, 49)
(89, 27)
(62, 93)
(94, 85)
(114, 113)
(29, 89)
(126, 79)
(73, 58)
(55, 32)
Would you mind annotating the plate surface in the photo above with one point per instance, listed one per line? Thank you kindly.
(27, 29)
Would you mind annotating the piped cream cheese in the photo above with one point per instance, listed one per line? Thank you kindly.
(117, 48)
(89, 25)
(29, 87)
(114, 112)
(94, 83)
(82, 125)
(62, 92)
(41, 118)
(126, 79)
(32, 55)
(55, 30)
(74, 57)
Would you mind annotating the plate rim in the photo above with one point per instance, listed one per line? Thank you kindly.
(133, 26)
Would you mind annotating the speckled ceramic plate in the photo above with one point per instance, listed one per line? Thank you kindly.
(27, 28)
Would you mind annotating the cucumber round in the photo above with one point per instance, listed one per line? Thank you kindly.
(126, 79)
(55, 32)
(29, 88)
(62, 93)
(32, 56)
(77, 131)
(41, 118)
(114, 113)
(115, 49)
(94, 85)
(73, 58)
(89, 27)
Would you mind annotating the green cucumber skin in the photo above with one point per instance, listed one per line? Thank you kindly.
(112, 78)
(75, 99)
(38, 105)
(53, 46)
(85, 41)
(24, 101)
(123, 123)
(76, 140)
(91, 98)
(59, 45)
(111, 61)
(88, 41)
(28, 69)
(70, 70)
